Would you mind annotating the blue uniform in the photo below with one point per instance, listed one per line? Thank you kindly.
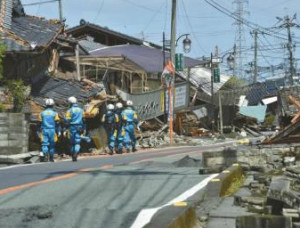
(49, 126)
(110, 120)
(129, 117)
(74, 118)
(120, 131)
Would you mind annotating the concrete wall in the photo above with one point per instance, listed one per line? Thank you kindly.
(13, 133)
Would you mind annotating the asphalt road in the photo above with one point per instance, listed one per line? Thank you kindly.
(102, 192)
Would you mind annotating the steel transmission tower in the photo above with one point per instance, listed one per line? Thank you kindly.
(240, 13)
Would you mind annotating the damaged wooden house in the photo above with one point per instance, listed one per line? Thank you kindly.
(288, 117)
(128, 67)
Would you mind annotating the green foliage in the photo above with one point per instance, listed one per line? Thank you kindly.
(2, 107)
(17, 91)
(269, 120)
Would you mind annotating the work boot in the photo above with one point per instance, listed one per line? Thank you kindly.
(128, 150)
(46, 157)
(51, 159)
(133, 150)
(74, 157)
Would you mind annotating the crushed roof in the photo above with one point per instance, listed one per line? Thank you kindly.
(35, 29)
(60, 90)
(25, 29)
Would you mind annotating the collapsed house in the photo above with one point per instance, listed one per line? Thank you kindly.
(30, 42)
(288, 115)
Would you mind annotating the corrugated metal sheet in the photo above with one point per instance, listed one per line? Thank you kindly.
(151, 104)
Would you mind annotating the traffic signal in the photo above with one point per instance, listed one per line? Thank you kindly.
(216, 75)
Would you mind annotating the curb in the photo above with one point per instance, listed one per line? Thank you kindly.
(184, 216)
(218, 186)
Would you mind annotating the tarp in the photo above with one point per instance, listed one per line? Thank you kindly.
(258, 112)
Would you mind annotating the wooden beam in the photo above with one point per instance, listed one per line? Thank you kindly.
(294, 101)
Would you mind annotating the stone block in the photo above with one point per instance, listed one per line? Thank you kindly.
(3, 136)
(12, 150)
(261, 221)
(22, 136)
(3, 143)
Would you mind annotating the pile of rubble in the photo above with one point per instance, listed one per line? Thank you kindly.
(270, 194)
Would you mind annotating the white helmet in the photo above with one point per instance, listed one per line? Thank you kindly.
(119, 105)
(129, 103)
(110, 107)
(72, 100)
(49, 102)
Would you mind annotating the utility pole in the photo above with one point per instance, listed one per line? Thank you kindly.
(290, 46)
(212, 93)
(171, 86)
(214, 64)
(288, 23)
(255, 57)
(164, 83)
(60, 11)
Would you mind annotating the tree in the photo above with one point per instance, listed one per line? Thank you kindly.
(17, 91)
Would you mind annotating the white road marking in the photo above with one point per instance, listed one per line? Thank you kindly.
(145, 215)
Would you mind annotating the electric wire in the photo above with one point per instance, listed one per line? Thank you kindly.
(98, 12)
(39, 3)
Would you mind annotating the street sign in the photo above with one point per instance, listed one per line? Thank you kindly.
(179, 62)
(216, 75)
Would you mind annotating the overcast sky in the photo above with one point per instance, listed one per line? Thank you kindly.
(208, 27)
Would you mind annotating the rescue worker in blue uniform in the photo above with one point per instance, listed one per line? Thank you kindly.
(129, 117)
(120, 129)
(75, 123)
(110, 120)
(50, 130)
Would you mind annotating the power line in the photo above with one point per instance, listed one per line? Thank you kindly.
(99, 10)
(246, 22)
(191, 27)
(39, 3)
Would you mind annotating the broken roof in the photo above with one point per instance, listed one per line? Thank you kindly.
(254, 93)
(19, 33)
(288, 108)
(201, 78)
(89, 45)
(146, 58)
(122, 38)
(60, 90)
